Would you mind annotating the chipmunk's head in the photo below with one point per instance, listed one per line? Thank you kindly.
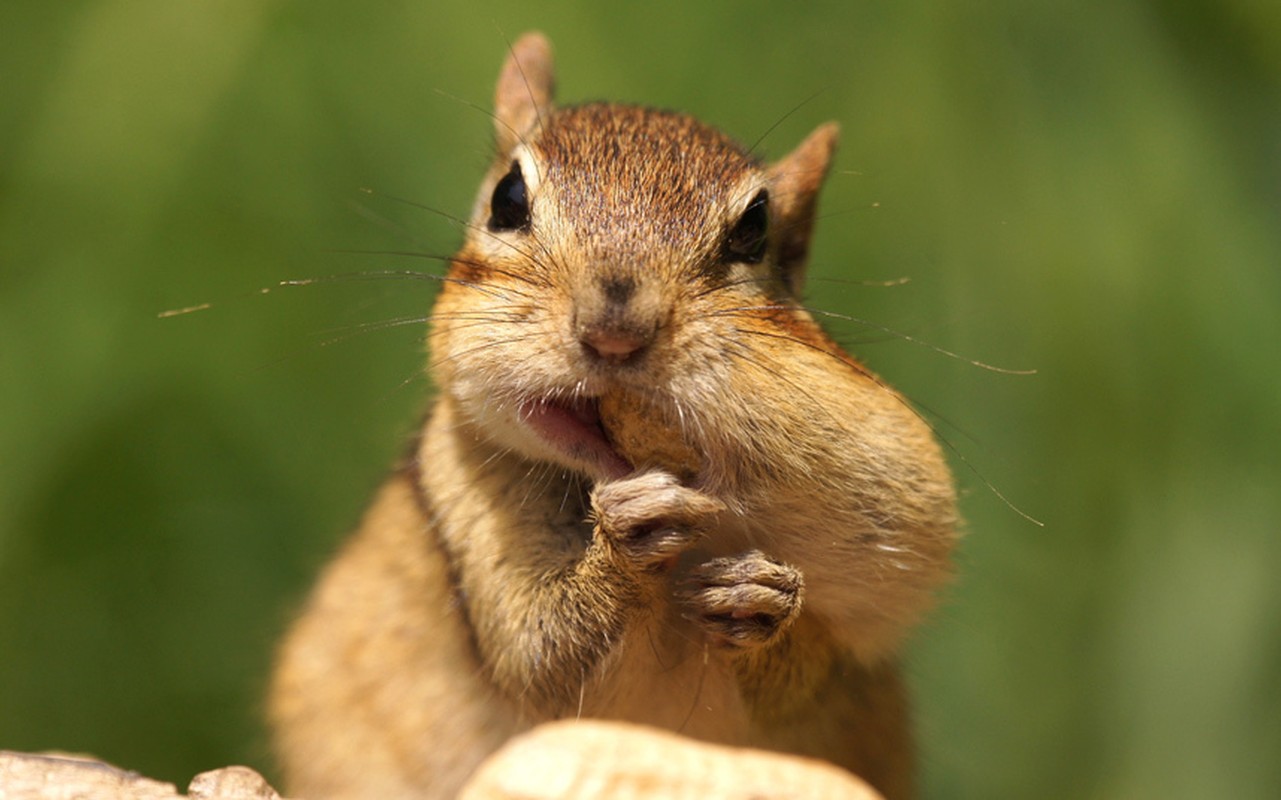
(615, 248)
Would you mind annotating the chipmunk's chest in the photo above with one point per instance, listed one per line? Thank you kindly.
(665, 675)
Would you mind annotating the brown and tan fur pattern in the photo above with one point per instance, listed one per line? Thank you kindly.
(504, 577)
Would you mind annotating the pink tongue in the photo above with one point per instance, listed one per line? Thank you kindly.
(575, 430)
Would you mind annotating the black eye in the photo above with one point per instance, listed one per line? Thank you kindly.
(747, 239)
(509, 206)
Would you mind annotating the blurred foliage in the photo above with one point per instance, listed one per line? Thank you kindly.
(1088, 188)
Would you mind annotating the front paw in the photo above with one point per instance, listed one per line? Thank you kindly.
(744, 601)
(646, 521)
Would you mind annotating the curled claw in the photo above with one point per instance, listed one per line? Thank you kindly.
(747, 600)
(649, 519)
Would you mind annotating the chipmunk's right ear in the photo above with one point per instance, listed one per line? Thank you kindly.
(523, 98)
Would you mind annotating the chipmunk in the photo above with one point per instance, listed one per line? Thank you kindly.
(650, 489)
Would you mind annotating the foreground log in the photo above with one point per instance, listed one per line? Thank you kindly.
(582, 760)
(560, 761)
(26, 776)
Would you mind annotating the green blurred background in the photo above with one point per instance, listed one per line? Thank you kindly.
(1088, 188)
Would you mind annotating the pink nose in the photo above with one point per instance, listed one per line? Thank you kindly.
(612, 345)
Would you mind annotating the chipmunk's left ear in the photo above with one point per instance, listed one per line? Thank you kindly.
(526, 86)
(795, 180)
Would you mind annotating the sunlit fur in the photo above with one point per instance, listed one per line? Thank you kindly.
(477, 599)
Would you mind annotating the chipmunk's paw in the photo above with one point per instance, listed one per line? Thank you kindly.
(649, 519)
(743, 601)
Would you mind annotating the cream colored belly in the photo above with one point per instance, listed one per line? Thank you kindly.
(665, 675)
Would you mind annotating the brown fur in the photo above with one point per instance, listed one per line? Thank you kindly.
(501, 580)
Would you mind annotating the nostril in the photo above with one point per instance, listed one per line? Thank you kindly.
(613, 345)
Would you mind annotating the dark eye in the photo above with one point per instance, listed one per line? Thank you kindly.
(509, 206)
(747, 239)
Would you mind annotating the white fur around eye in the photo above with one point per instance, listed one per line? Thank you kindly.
(530, 169)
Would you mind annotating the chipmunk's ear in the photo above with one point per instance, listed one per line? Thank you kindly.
(795, 180)
(523, 98)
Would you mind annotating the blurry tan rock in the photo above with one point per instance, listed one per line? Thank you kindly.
(569, 760)
(587, 759)
(231, 783)
(29, 776)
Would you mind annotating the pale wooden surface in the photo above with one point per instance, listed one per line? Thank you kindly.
(587, 759)
(28, 776)
(560, 761)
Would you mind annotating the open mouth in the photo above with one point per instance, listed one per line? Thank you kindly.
(574, 428)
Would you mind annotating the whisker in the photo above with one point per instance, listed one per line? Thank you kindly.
(838, 355)
(481, 229)
(364, 275)
(377, 275)
(838, 213)
(177, 312)
(885, 284)
(418, 374)
(498, 453)
(402, 321)
(755, 358)
(383, 221)
(495, 343)
(487, 112)
(488, 267)
(720, 287)
(351, 332)
(783, 119)
(483, 265)
(346, 332)
(740, 311)
(698, 689)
